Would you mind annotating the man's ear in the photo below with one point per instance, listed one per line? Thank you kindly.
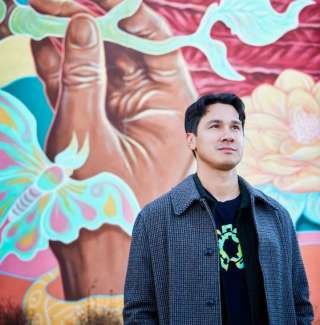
(191, 141)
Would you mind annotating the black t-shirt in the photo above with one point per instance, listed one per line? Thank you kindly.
(233, 279)
(234, 291)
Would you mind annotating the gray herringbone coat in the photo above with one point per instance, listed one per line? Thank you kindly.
(171, 279)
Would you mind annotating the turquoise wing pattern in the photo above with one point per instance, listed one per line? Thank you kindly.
(104, 198)
(39, 200)
(21, 158)
(23, 237)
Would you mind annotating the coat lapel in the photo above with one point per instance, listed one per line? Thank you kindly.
(183, 195)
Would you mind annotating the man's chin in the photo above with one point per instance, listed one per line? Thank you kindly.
(223, 164)
(226, 165)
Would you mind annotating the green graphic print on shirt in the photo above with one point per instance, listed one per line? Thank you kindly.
(227, 233)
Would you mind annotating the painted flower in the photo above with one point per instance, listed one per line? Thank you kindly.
(283, 134)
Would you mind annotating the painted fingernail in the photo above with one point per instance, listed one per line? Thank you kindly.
(83, 32)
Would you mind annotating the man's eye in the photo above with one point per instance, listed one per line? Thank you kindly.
(236, 127)
(214, 126)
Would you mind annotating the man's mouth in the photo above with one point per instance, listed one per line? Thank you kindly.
(227, 149)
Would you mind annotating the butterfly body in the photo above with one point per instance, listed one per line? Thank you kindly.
(50, 178)
(48, 181)
(23, 203)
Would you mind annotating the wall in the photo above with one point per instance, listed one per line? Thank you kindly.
(92, 129)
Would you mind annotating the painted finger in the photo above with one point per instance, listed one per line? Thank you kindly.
(148, 24)
(47, 63)
(63, 8)
(81, 103)
(4, 25)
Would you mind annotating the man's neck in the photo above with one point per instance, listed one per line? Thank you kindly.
(223, 185)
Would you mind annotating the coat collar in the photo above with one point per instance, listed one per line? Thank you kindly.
(186, 193)
(183, 195)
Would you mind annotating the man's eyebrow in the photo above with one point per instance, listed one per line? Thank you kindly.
(214, 121)
(238, 122)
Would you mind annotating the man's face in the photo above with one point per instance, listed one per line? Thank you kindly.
(219, 140)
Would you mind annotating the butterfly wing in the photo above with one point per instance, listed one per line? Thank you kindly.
(21, 158)
(102, 199)
(24, 237)
(60, 214)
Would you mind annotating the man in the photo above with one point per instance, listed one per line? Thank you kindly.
(214, 250)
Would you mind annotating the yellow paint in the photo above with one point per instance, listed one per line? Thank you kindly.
(63, 195)
(16, 59)
(6, 119)
(27, 241)
(43, 202)
(77, 188)
(110, 207)
(43, 308)
(38, 155)
(21, 180)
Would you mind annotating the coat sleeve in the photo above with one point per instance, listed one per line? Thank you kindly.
(139, 294)
(303, 307)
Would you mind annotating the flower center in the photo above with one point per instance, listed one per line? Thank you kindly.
(305, 128)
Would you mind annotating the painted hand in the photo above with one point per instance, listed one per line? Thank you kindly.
(131, 105)
(4, 28)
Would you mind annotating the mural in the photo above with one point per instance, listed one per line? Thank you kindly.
(92, 100)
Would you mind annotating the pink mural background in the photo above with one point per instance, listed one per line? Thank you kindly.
(281, 91)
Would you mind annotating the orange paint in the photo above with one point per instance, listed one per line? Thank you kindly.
(13, 289)
(27, 241)
(6, 119)
(312, 265)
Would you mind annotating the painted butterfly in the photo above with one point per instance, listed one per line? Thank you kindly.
(39, 201)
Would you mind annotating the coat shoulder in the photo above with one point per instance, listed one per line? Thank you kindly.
(156, 211)
(274, 205)
(261, 198)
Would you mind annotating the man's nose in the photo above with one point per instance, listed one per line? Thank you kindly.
(227, 136)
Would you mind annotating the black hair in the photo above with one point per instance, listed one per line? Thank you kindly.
(198, 109)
